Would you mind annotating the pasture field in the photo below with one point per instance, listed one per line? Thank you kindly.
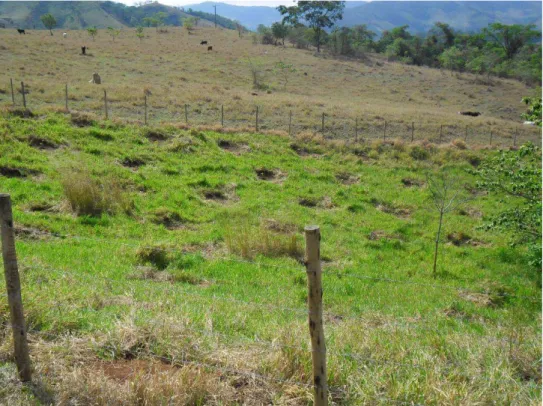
(162, 265)
(178, 71)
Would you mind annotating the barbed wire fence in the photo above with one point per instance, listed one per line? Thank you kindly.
(329, 125)
(315, 314)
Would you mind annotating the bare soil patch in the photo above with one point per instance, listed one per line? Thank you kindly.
(41, 143)
(236, 148)
(13, 172)
(347, 178)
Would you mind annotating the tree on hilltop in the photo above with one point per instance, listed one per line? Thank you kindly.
(317, 14)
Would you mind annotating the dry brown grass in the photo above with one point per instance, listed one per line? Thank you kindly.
(178, 71)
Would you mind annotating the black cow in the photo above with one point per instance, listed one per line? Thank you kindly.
(21, 31)
(210, 48)
(203, 43)
(83, 50)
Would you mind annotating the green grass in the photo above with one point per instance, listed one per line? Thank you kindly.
(95, 292)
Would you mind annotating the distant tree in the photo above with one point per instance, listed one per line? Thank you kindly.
(265, 33)
(279, 31)
(239, 28)
(453, 58)
(93, 32)
(139, 33)
(151, 22)
(511, 38)
(188, 23)
(319, 15)
(516, 175)
(49, 22)
(113, 32)
(196, 20)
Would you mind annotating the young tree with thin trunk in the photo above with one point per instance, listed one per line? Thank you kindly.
(93, 32)
(49, 22)
(446, 196)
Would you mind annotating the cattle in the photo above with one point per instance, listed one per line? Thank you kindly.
(210, 48)
(96, 79)
(64, 34)
(83, 50)
(469, 113)
(21, 31)
(203, 43)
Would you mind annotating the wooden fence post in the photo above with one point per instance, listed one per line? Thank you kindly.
(314, 304)
(322, 125)
(356, 130)
(515, 138)
(490, 137)
(222, 115)
(12, 93)
(66, 95)
(13, 287)
(385, 131)
(440, 133)
(105, 104)
(145, 106)
(24, 96)
(256, 119)
(290, 123)
(186, 114)
(466, 136)
(412, 131)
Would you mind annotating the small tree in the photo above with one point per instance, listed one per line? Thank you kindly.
(93, 32)
(240, 28)
(446, 196)
(256, 68)
(534, 109)
(280, 32)
(139, 33)
(284, 70)
(113, 32)
(49, 22)
(188, 23)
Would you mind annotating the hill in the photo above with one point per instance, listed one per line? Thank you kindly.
(81, 14)
(174, 254)
(419, 15)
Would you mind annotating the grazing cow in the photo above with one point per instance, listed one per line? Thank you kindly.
(210, 48)
(203, 43)
(83, 50)
(21, 31)
(64, 34)
(96, 79)
(469, 113)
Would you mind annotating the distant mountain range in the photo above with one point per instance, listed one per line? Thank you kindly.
(383, 15)
(378, 15)
(102, 14)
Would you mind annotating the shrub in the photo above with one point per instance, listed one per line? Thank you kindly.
(248, 242)
(460, 144)
(90, 196)
(419, 153)
(155, 255)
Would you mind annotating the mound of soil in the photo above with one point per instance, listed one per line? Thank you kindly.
(41, 143)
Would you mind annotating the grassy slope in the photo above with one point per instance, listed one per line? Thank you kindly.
(178, 71)
(414, 343)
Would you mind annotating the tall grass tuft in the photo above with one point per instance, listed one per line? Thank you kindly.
(249, 242)
(90, 196)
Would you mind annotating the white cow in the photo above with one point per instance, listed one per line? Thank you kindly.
(64, 34)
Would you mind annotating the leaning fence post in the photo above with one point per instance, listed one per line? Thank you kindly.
(145, 106)
(356, 130)
(12, 94)
(66, 95)
(105, 103)
(314, 304)
(24, 96)
(256, 119)
(290, 123)
(322, 126)
(13, 287)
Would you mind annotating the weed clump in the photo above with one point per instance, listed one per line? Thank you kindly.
(418, 153)
(156, 255)
(91, 196)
